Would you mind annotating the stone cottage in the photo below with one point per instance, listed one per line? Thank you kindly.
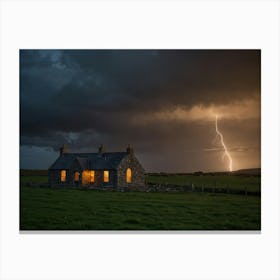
(117, 169)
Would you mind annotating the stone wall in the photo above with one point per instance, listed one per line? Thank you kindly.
(138, 172)
(99, 178)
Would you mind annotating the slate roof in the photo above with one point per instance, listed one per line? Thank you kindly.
(94, 161)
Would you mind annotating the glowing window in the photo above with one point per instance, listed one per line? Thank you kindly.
(76, 176)
(128, 175)
(91, 176)
(63, 175)
(106, 176)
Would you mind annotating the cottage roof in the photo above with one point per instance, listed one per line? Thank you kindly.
(95, 161)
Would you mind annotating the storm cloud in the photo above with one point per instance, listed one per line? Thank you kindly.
(162, 102)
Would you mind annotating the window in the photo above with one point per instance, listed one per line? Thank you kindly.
(91, 176)
(63, 175)
(76, 176)
(87, 177)
(106, 176)
(128, 175)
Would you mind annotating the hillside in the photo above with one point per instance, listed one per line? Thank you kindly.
(251, 171)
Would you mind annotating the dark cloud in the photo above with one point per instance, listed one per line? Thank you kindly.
(86, 97)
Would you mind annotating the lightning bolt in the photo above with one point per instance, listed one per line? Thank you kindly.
(224, 146)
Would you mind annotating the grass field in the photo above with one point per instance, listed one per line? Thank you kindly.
(33, 179)
(68, 209)
(253, 183)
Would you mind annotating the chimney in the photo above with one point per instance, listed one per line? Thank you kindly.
(129, 150)
(101, 149)
(63, 150)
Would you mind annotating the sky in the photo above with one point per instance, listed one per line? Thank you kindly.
(161, 102)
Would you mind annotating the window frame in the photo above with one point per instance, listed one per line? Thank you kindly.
(106, 177)
(126, 175)
(63, 176)
(91, 176)
(78, 173)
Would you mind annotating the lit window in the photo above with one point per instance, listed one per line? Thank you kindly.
(128, 175)
(76, 176)
(63, 175)
(106, 176)
(91, 176)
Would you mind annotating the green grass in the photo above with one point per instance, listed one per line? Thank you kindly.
(68, 209)
(252, 183)
(37, 179)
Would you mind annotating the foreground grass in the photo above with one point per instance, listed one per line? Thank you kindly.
(65, 209)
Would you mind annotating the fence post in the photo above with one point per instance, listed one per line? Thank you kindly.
(193, 187)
